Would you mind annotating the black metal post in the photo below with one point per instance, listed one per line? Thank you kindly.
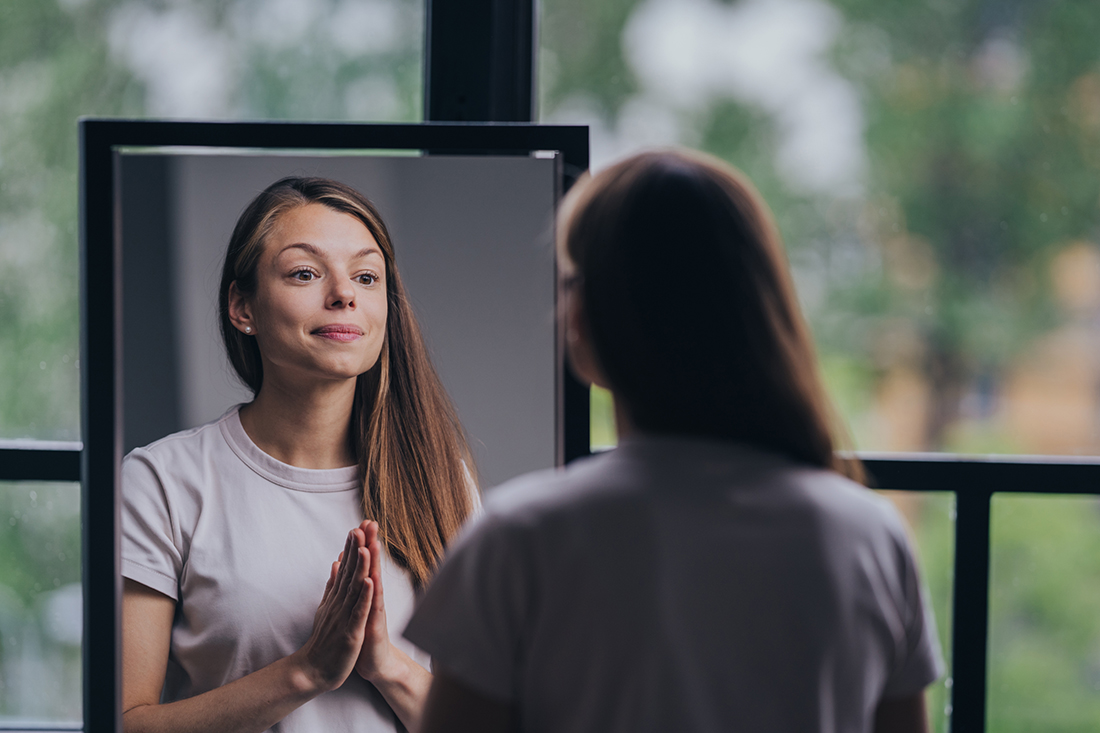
(970, 607)
(480, 66)
(38, 463)
(479, 63)
(100, 379)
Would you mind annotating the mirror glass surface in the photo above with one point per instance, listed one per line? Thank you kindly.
(473, 241)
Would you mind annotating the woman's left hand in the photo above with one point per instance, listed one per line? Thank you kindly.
(377, 657)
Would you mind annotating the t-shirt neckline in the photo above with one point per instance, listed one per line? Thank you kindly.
(292, 477)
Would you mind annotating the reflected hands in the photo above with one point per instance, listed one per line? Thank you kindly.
(403, 683)
(340, 624)
(377, 657)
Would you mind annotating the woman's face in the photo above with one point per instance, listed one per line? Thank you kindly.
(319, 310)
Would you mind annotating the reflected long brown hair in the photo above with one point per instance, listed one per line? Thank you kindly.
(405, 434)
(691, 311)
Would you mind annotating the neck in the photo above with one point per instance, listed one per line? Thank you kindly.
(304, 425)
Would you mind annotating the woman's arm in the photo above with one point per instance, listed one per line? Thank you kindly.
(455, 708)
(403, 683)
(257, 701)
(902, 715)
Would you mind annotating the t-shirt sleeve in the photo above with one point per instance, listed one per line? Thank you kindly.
(919, 662)
(474, 616)
(150, 540)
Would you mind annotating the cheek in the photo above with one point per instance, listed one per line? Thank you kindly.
(378, 308)
(281, 310)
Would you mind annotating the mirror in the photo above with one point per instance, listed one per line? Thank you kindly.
(470, 210)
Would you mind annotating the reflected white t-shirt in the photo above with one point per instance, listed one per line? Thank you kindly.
(244, 544)
(687, 585)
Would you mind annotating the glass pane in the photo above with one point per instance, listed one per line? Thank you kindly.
(41, 613)
(931, 518)
(1044, 614)
(602, 433)
(238, 59)
(933, 168)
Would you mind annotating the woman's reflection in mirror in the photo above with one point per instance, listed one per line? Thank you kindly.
(271, 557)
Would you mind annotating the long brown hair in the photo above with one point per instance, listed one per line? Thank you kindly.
(405, 433)
(691, 311)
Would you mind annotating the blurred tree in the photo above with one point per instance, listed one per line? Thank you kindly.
(53, 68)
(980, 173)
(980, 130)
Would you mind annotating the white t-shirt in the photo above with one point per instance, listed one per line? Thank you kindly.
(688, 585)
(244, 544)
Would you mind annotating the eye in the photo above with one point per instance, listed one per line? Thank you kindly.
(367, 278)
(303, 275)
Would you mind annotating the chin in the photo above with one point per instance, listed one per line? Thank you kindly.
(350, 371)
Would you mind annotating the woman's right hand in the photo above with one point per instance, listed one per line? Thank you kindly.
(339, 625)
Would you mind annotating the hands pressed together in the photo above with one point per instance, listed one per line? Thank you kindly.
(349, 628)
(349, 634)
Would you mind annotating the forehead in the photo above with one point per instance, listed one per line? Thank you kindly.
(328, 231)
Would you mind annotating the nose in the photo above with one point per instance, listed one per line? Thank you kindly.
(341, 294)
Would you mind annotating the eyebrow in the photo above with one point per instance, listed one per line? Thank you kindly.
(317, 253)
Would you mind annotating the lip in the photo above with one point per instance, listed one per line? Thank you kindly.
(338, 332)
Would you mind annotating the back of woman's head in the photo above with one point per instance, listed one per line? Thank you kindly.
(690, 309)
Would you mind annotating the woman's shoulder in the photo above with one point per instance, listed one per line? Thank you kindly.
(185, 445)
(848, 513)
(551, 492)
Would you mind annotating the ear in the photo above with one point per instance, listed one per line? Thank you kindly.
(578, 343)
(240, 311)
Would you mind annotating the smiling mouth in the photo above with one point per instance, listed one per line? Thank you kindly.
(338, 332)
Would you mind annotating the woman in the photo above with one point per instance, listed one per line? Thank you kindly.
(717, 571)
(231, 529)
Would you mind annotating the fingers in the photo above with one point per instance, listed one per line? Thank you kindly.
(344, 577)
(370, 531)
(362, 606)
(374, 546)
(331, 581)
(375, 549)
(343, 573)
(338, 626)
(359, 579)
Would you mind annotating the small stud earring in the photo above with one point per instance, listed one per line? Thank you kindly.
(248, 329)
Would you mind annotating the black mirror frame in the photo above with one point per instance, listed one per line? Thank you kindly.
(101, 321)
